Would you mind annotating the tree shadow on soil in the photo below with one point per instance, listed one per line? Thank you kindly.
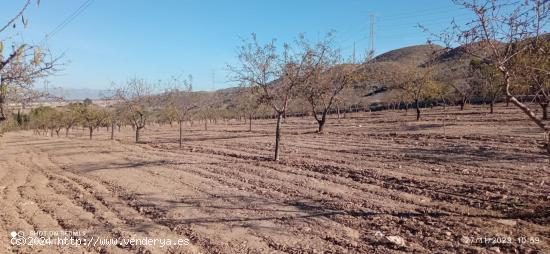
(224, 209)
(468, 154)
(200, 139)
(87, 168)
(294, 210)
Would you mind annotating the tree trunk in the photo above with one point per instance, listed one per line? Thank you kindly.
(67, 131)
(91, 131)
(322, 122)
(491, 105)
(112, 130)
(338, 111)
(417, 105)
(138, 128)
(321, 126)
(250, 123)
(205, 125)
(278, 135)
(180, 123)
(544, 107)
(19, 119)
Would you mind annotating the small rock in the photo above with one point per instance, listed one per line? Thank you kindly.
(396, 240)
(447, 233)
(378, 234)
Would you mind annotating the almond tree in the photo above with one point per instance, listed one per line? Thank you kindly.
(248, 104)
(322, 91)
(327, 77)
(207, 112)
(180, 101)
(94, 117)
(499, 33)
(419, 86)
(136, 97)
(274, 74)
(488, 81)
(167, 114)
(41, 119)
(112, 119)
(72, 115)
(23, 65)
(462, 84)
(531, 75)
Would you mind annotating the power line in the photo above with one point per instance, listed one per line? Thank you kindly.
(425, 12)
(399, 22)
(396, 29)
(69, 19)
(371, 38)
(351, 33)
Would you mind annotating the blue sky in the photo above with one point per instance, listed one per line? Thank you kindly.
(112, 41)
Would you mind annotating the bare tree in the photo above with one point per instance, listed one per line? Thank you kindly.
(72, 115)
(488, 82)
(136, 97)
(462, 84)
(322, 91)
(531, 77)
(275, 74)
(94, 117)
(327, 77)
(180, 101)
(23, 65)
(248, 104)
(40, 119)
(418, 85)
(498, 34)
